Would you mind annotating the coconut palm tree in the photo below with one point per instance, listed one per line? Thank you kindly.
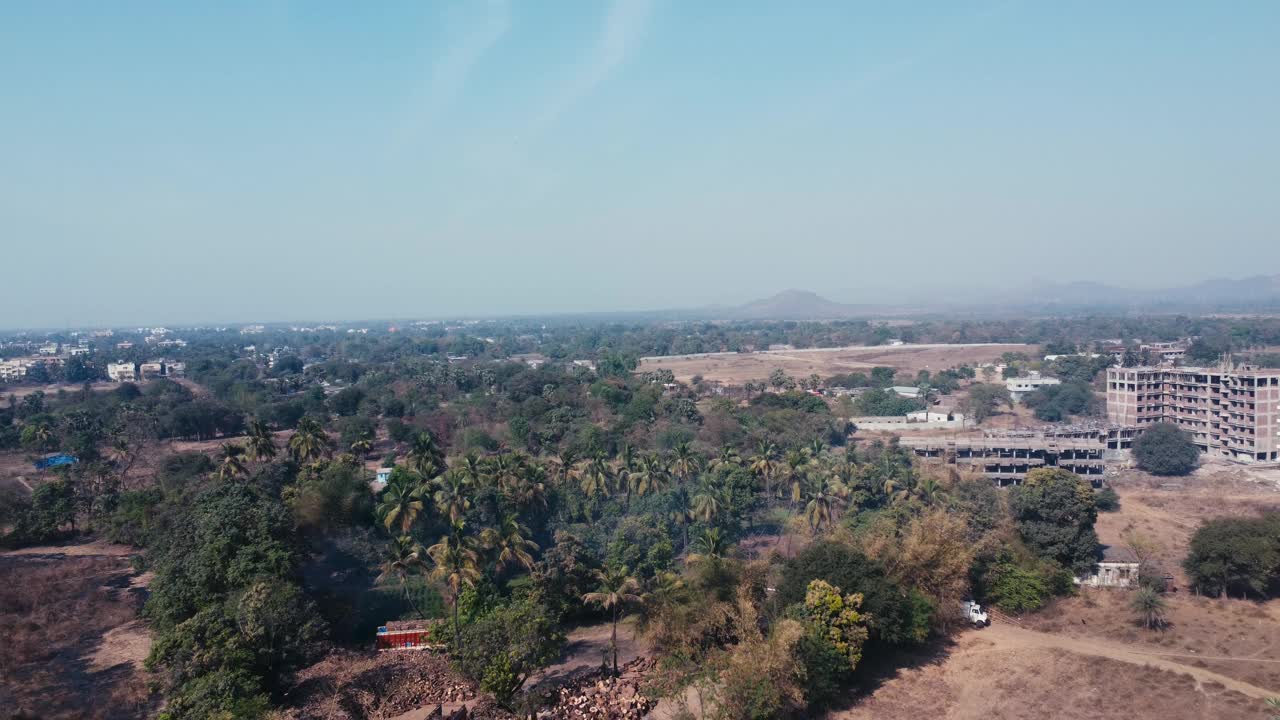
(529, 487)
(565, 468)
(1150, 608)
(402, 559)
(231, 462)
(262, 444)
(309, 442)
(456, 563)
(682, 514)
(510, 542)
(597, 478)
(362, 445)
(762, 464)
(711, 545)
(684, 461)
(727, 457)
(452, 495)
(425, 455)
(794, 465)
(650, 476)
(617, 589)
(402, 501)
(707, 503)
(822, 504)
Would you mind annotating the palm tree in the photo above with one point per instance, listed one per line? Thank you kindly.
(684, 464)
(596, 478)
(796, 461)
(617, 588)
(510, 540)
(362, 445)
(402, 501)
(566, 468)
(425, 455)
(707, 503)
(826, 497)
(728, 456)
(763, 466)
(456, 563)
(402, 559)
(230, 464)
(650, 476)
(1150, 608)
(309, 442)
(710, 545)
(452, 496)
(262, 444)
(529, 487)
(815, 448)
(682, 514)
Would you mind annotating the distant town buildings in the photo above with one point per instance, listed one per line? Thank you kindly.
(1231, 412)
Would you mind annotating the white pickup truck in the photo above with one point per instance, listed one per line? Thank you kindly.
(974, 614)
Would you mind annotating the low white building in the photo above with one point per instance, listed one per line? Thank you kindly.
(12, 371)
(121, 372)
(1032, 381)
(905, 391)
(1118, 568)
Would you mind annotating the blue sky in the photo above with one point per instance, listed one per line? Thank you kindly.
(183, 162)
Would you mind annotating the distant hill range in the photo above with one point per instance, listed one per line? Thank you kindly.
(1258, 294)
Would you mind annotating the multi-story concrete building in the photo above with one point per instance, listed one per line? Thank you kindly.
(1230, 411)
(1007, 456)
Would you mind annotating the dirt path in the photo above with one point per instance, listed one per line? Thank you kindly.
(1006, 636)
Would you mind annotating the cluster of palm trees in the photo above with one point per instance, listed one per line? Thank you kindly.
(308, 444)
(506, 484)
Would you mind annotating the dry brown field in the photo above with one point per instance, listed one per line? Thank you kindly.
(737, 368)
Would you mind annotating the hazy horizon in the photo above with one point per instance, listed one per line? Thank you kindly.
(242, 162)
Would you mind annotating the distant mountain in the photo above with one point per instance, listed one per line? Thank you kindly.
(1257, 293)
(792, 305)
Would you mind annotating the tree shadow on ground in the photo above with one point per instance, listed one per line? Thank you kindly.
(885, 666)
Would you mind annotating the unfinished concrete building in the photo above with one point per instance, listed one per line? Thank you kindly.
(1230, 411)
(1007, 457)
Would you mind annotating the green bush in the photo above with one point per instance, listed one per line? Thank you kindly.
(1236, 556)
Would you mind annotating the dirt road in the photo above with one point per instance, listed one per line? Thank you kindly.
(1010, 637)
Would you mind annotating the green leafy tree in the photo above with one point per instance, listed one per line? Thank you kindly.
(501, 648)
(1054, 512)
(1165, 449)
(1236, 556)
(835, 618)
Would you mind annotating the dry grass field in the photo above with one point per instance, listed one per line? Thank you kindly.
(73, 645)
(737, 368)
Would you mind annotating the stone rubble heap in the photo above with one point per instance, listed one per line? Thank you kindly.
(599, 696)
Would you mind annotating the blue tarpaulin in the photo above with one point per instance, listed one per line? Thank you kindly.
(55, 461)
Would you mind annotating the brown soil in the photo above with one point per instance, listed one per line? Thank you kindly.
(737, 368)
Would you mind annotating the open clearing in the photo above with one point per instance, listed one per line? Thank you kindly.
(737, 368)
(73, 644)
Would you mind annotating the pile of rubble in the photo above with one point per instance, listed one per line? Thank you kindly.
(600, 696)
(350, 685)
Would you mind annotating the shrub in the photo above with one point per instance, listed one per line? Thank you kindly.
(1106, 500)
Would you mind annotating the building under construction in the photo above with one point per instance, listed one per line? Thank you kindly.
(1230, 411)
(1007, 456)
